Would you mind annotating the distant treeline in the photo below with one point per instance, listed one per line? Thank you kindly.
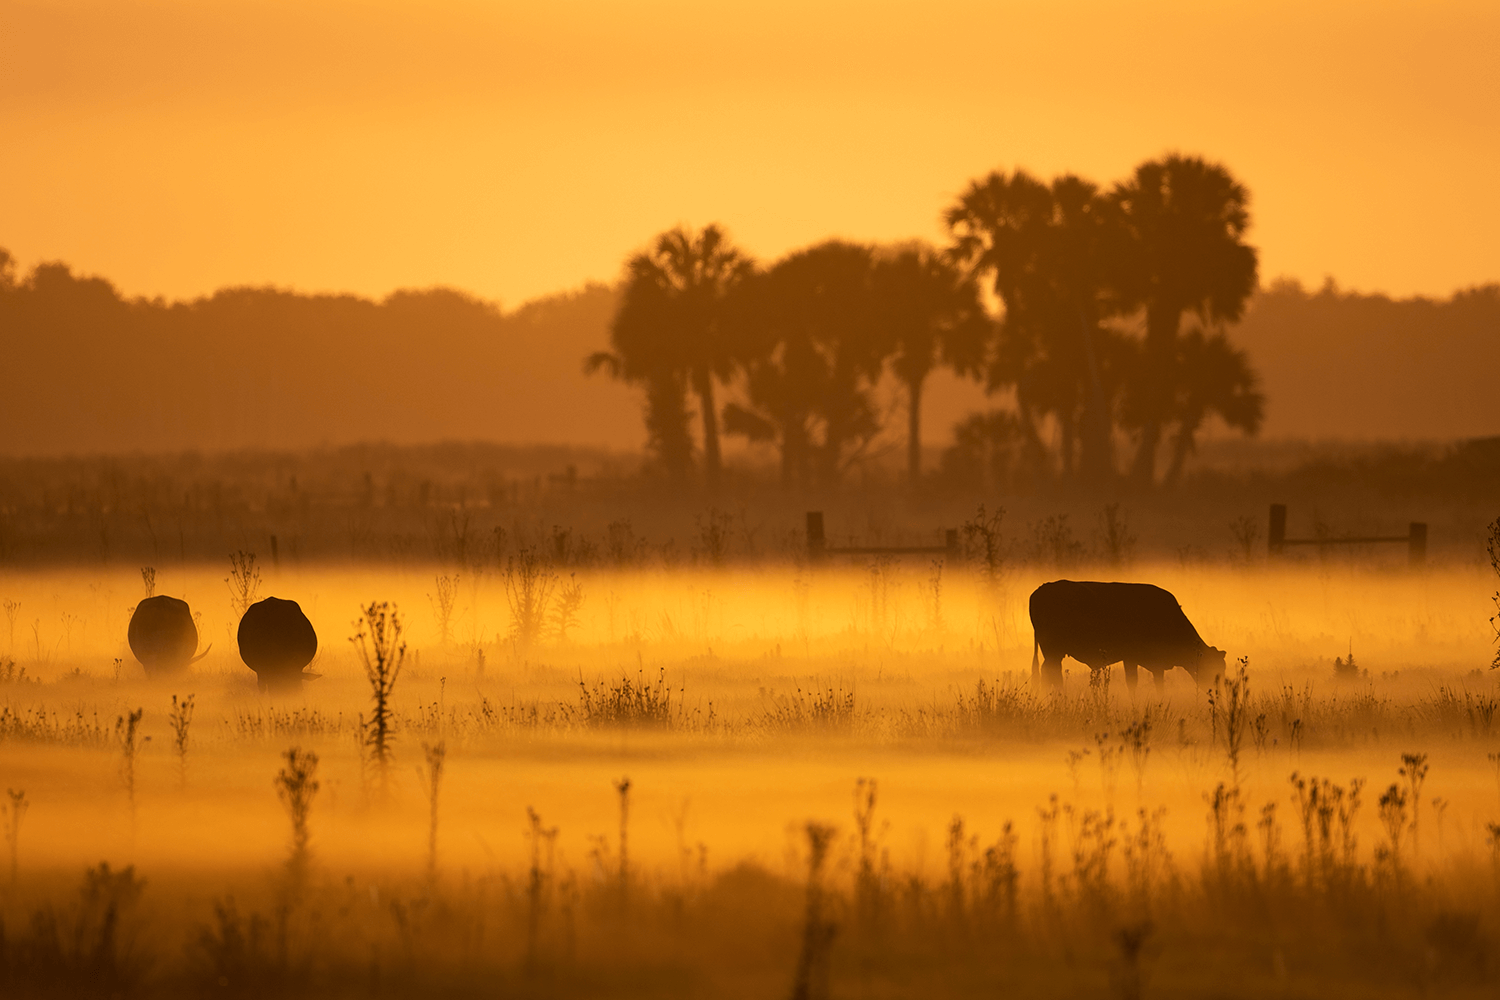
(1092, 286)
(85, 370)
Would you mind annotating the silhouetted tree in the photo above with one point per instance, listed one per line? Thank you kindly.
(932, 315)
(1053, 254)
(668, 334)
(813, 348)
(1210, 377)
(1186, 219)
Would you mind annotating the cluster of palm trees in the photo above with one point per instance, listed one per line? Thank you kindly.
(1083, 340)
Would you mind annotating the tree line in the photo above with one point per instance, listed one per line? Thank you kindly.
(1106, 333)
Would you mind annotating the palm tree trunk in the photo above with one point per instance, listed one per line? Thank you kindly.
(1162, 322)
(914, 430)
(703, 381)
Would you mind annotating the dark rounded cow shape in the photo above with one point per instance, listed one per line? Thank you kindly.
(277, 641)
(163, 636)
(1099, 624)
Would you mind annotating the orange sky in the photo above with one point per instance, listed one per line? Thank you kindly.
(518, 149)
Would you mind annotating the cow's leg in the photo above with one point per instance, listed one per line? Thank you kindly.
(1130, 677)
(1051, 668)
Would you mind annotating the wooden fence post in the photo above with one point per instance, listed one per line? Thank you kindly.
(1416, 544)
(816, 543)
(1276, 537)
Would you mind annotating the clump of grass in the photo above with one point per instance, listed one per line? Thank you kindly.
(296, 784)
(627, 702)
(148, 577)
(11, 815)
(181, 718)
(382, 652)
(830, 709)
(9, 674)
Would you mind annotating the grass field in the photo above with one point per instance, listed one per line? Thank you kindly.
(841, 782)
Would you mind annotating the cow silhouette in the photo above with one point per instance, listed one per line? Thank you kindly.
(277, 641)
(163, 636)
(1099, 624)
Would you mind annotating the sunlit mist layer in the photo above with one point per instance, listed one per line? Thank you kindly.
(743, 704)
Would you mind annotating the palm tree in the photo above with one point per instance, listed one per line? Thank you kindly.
(813, 348)
(668, 332)
(932, 315)
(1212, 377)
(1052, 252)
(1185, 219)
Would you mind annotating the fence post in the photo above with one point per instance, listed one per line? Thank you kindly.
(1416, 544)
(1276, 537)
(816, 543)
(950, 542)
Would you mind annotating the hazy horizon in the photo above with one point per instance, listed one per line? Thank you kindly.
(515, 153)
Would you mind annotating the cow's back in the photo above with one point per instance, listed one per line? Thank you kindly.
(1089, 619)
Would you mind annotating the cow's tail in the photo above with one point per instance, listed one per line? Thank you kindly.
(1035, 645)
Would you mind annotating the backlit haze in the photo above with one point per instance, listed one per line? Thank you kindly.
(516, 150)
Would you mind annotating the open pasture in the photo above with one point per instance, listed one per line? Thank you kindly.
(841, 782)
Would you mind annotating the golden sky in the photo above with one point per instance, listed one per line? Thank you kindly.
(518, 149)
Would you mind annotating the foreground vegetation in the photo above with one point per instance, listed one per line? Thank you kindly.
(807, 781)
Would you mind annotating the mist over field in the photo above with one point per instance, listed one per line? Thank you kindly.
(749, 500)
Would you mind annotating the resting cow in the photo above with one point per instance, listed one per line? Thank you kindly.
(277, 641)
(1098, 624)
(163, 635)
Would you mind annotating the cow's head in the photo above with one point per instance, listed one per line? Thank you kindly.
(1211, 665)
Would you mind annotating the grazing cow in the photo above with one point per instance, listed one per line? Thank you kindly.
(1103, 623)
(277, 641)
(163, 636)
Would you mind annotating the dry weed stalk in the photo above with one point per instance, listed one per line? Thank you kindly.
(811, 981)
(623, 788)
(529, 583)
(12, 813)
(296, 784)
(442, 604)
(243, 582)
(382, 651)
(432, 777)
(181, 717)
(125, 733)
